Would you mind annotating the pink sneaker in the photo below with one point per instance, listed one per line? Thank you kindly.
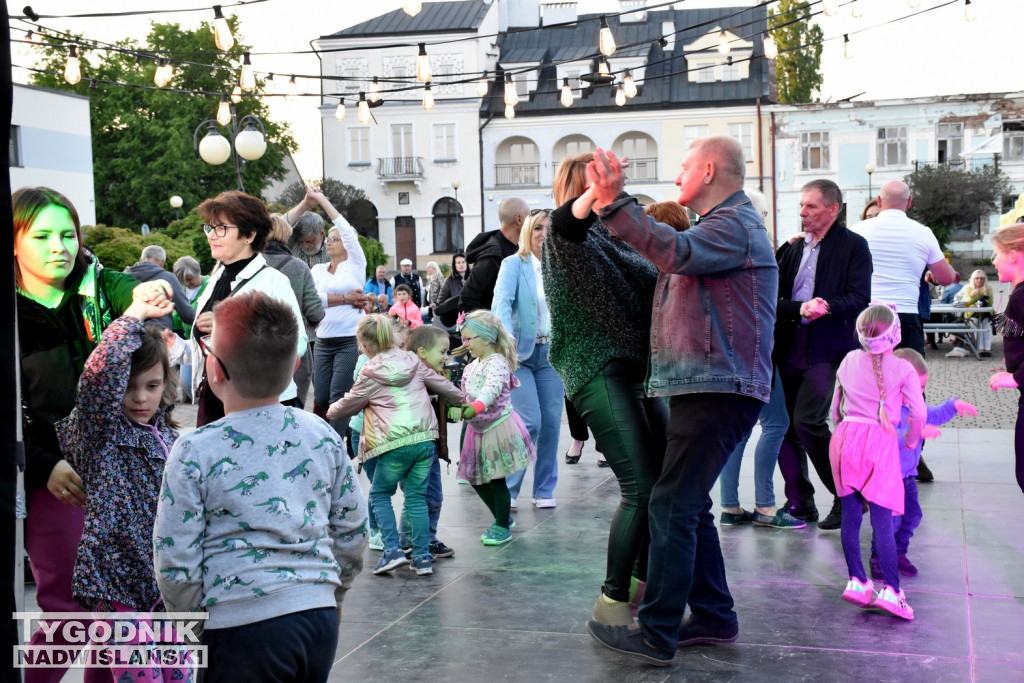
(894, 603)
(858, 593)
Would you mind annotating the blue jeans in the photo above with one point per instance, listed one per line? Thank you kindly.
(333, 367)
(685, 564)
(539, 401)
(774, 423)
(410, 466)
(434, 499)
(903, 526)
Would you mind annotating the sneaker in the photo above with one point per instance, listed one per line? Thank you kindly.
(511, 523)
(895, 603)
(905, 566)
(439, 549)
(834, 519)
(390, 560)
(985, 354)
(513, 504)
(957, 352)
(780, 520)
(544, 502)
(496, 535)
(611, 612)
(407, 551)
(808, 514)
(423, 566)
(734, 518)
(876, 568)
(376, 540)
(695, 632)
(628, 640)
(859, 593)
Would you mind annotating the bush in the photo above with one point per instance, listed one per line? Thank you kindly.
(118, 248)
(375, 255)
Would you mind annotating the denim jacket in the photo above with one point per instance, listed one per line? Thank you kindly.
(515, 302)
(714, 303)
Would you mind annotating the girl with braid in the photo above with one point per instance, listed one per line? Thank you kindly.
(871, 387)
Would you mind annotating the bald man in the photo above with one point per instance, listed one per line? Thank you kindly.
(488, 250)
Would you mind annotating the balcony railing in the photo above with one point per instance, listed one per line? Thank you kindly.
(975, 163)
(642, 169)
(506, 175)
(400, 168)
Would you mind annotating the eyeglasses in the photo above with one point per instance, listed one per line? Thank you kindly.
(220, 229)
(332, 240)
(204, 346)
(466, 340)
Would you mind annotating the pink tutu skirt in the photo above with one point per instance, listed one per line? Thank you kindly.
(498, 451)
(866, 458)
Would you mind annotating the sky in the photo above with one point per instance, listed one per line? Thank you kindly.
(934, 53)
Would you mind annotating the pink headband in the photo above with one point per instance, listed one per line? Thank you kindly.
(889, 339)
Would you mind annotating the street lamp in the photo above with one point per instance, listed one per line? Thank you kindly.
(248, 133)
(869, 169)
(455, 186)
(176, 205)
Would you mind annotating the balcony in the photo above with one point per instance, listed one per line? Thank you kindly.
(400, 170)
(975, 163)
(642, 169)
(509, 175)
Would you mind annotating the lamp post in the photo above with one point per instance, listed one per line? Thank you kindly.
(176, 203)
(455, 186)
(248, 133)
(869, 169)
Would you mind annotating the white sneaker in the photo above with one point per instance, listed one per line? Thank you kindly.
(957, 352)
(544, 502)
(512, 504)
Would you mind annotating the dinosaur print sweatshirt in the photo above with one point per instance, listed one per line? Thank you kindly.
(261, 515)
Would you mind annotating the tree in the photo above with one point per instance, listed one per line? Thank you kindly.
(798, 66)
(946, 198)
(142, 136)
(350, 201)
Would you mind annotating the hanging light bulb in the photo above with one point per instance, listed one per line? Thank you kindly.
(829, 7)
(73, 69)
(607, 41)
(412, 7)
(221, 31)
(723, 44)
(163, 73)
(236, 94)
(26, 46)
(914, 4)
(629, 85)
(856, 9)
(364, 109)
(771, 50)
(847, 46)
(428, 98)
(511, 96)
(248, 79)
(620, 95)
(374, 95)
(566, 93)
(270, 85)
(969, 14)
(224, 111)
(482, 85)
(603, 69)
(339, 113)
(423, 73)
(291, 89)
(510, 112)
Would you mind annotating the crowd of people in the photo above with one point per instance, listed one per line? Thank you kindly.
(665, 341)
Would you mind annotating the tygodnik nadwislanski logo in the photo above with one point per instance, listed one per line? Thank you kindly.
(124, 641)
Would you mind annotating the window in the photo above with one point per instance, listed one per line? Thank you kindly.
(706, 73)
(358, 146)
(642, 151)
(949, 138)
(516, 163)
(743, 134)
(731, 72)
(892, 146)
(815, 151)
(691, 133)
(13, 148)
(447, 226)
(1013, 141)
(444, 142)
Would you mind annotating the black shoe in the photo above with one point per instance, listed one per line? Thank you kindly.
(439, 549)
(694, 632)
(924, 474)
(572, 459)
(834, 520)
(601, 462)
(628, 640)
(809, 514)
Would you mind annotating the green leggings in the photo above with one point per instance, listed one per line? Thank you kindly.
(496, 497)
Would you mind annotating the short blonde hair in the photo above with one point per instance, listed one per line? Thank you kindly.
(979, 273)
(375, 334)
(1010, 237)
(526, 234)
(279, 228)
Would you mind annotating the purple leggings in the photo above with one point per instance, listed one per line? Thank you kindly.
(885, 542)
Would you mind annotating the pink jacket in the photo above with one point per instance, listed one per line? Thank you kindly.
(409, 312)
(392, 387)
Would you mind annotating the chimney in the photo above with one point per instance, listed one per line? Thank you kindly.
(632, 11)
(558, 12)
(668, 31)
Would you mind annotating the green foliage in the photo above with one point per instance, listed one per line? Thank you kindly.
(446, 269)
(946, 198)
(142, 137)
(374, 252)
(118, 248)
(798, 66)
(350, 201)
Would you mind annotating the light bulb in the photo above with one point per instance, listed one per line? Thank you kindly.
(914, 4)
(607, 41)
(723, 44)
(423, 73)
(482, 85)
(339, 113)
(25, 47)
(290, 89)
(236, 94)
(566, 93)
(603, 69)
(511, 96)
(847, 46)
(374, 95)
(270, 85)
(829, 7)
(412, 7)
(250, 144)
(771, 50)
(221, 31)
(364, 109)
(73, 69)
(428, 98)
(248, 79)
(620, 96)
(510, 112)
(214, 148)
(224, 111)
(969, 14)
(856, 10)
(163, 73)
(629, 85)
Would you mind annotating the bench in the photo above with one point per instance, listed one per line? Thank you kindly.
(964, 332)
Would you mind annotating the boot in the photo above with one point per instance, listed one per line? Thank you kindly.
(834, 520)
(924, 475)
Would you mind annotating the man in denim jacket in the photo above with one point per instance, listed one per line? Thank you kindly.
(711, 344)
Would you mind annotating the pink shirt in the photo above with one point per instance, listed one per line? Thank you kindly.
(409, 312)
(856, 396)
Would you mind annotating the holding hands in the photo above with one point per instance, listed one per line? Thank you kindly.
(465, 412)
(145, 308)
(964, 408)
(153, 292)
(65, 485)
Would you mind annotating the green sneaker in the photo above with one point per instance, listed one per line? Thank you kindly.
(496, 535)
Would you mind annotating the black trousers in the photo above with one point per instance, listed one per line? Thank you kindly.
(808, 400)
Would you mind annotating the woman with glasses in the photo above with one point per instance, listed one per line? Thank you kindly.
(521, 304)
(600, 292)
(237, 226)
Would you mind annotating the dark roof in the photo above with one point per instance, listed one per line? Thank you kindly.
(436, 17)
(666, 85)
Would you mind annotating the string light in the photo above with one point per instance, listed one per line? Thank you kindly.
(969, 14)
(510, 112)
(291, 89)
(339, 113)
(482, 85)
(412, 7)
(236, 94)
(248, 79)
(428, 98)
(629, 85)
(270, 85)
(603, 69)
(163, 73)
(511, 96)
(364, 109)
(423, 73)
(771, 50)
(221, 31)
(620, 95)
(566, 93)
(224, 111)
(847, 46)
(830, 7)
(607, 41)
(723, 44)
(26, 46)
(856, 9)
(73, 69)
(374, 95)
